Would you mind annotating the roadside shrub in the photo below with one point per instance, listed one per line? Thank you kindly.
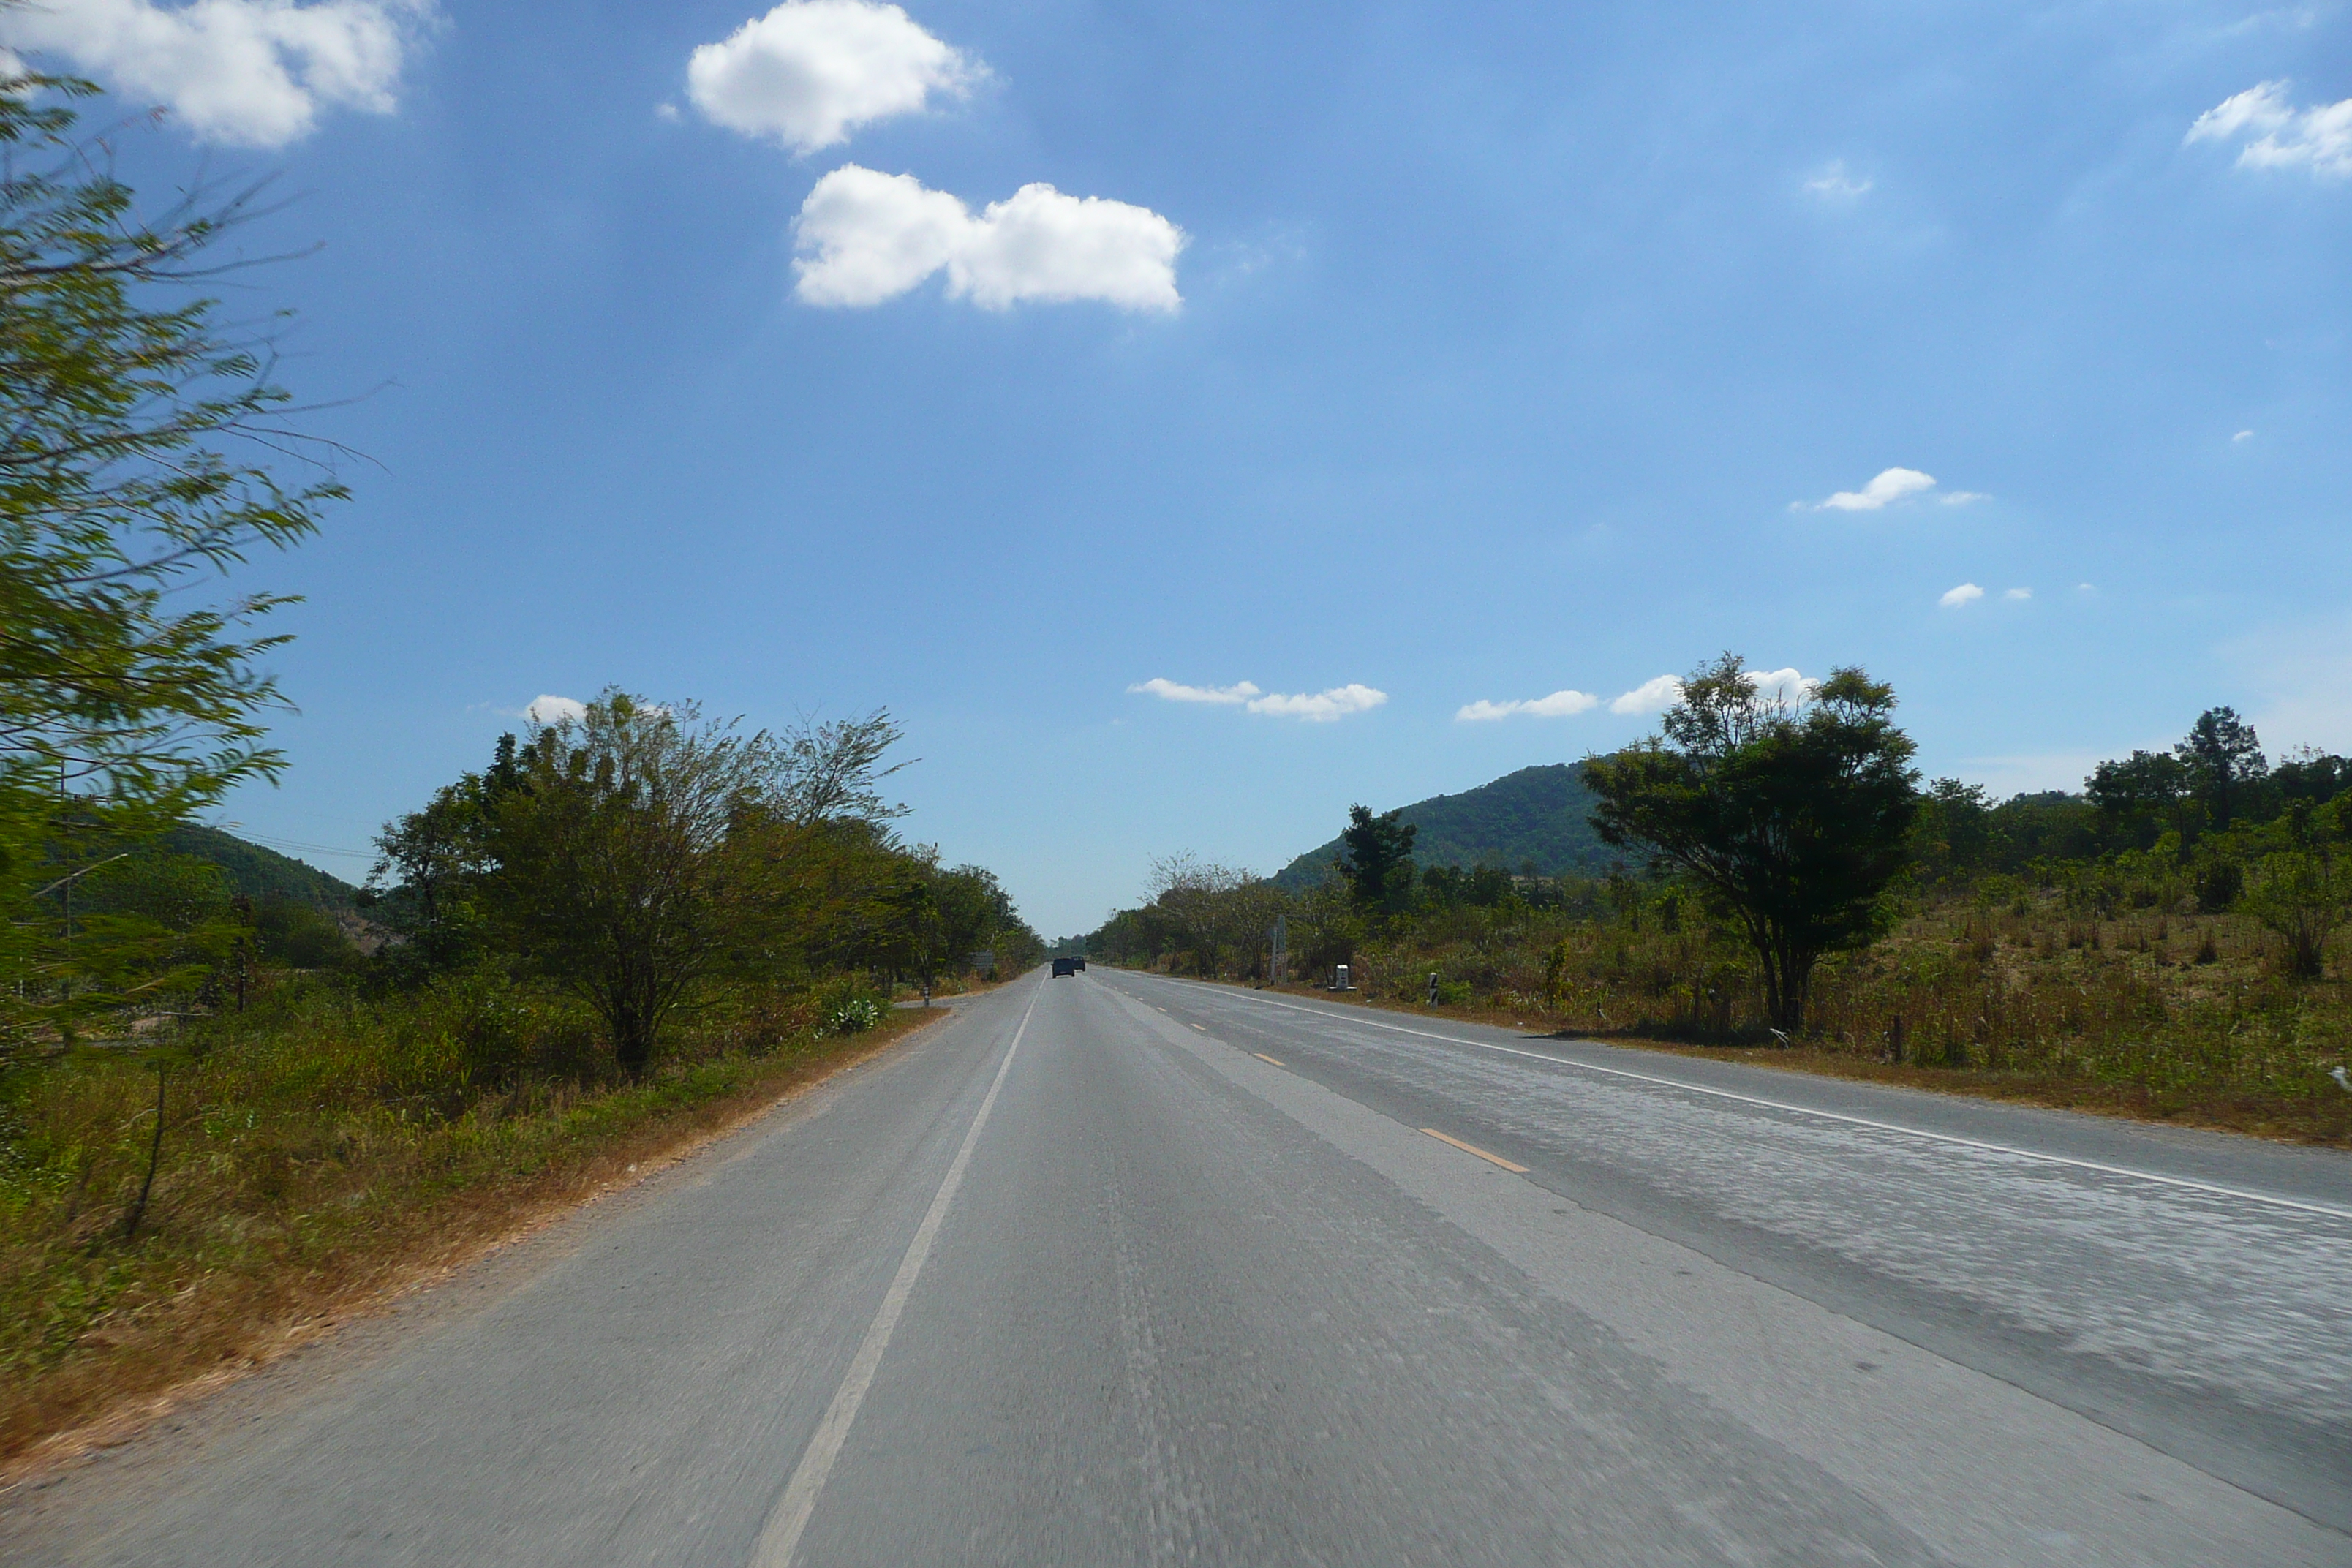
(849, 1006)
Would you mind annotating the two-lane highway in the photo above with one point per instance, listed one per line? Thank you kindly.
(1123, 1269)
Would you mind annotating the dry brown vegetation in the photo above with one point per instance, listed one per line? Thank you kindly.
(319, 1154)
(2164, 1015)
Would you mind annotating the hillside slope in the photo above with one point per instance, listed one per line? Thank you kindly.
(1536, 814)
(260, 873)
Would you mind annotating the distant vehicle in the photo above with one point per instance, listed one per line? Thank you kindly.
(1081, 962)
(1066, 966)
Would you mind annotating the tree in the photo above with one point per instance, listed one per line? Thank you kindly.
(834, 771)
(1376, 857)
(639, 858)
(1952, 836)
(1791, 812)
(2136, 795)
(435, 859)
(2222, 757)
(138, 439)
(1192, 894)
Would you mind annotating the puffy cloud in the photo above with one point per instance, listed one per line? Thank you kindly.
(1170, 691)
(1781, 685)
(250, 72)
(864, 236)
(1833, 183)
(1891, 485)
(811, 71)
(547, 710)
(1042, 245)
(1320, 707)
(2277, 134)
(1559, 705)
(1655, 695)
(1965, 594)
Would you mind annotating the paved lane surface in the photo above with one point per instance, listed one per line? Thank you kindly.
(1202, 1286)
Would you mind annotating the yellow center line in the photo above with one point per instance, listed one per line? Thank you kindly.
(1473, 1149)
(1198, 1027)
(1263, 1058)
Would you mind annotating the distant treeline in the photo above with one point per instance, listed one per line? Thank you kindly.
(2170, 926)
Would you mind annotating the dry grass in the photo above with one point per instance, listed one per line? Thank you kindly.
(2323, 1120)
(318, 1160)
(2163, 1015)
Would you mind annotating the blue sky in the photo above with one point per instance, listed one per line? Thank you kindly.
(1443, 354)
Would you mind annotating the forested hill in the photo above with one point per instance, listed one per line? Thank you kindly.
(260, 873)
(1536, 814)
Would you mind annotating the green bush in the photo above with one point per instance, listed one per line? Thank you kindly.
(849, 1006)
(2219, 883)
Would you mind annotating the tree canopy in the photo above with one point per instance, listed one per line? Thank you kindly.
(1791, 812)
(1376, 857)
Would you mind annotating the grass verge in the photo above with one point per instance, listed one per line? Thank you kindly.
(2286, 1118)
(301, 1187)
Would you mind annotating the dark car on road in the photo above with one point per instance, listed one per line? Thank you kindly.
(1063, 966)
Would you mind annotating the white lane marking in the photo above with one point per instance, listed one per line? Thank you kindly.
(782, 1534)
(2275, 1201)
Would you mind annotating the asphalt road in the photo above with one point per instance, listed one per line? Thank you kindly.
(1119, 1269)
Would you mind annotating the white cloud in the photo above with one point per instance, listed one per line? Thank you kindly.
(1170, 691)
(253, 73)
(2019, 593)
(1320, 707)
(1559, 705)
(1955, 598)
(1660, 692)
(811, 71)
(1655, 695)
(547, 710)
(1781, 685)
(864, 236)
(2243, 435)
(2277, 134)
(1891, 485)
(1835, 184)
(1962, 498)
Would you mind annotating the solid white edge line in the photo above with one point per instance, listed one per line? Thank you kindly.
(781, 1536)
(2123, 1171)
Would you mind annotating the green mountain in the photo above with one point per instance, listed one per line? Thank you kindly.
(260, 873)
(1536, 814)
